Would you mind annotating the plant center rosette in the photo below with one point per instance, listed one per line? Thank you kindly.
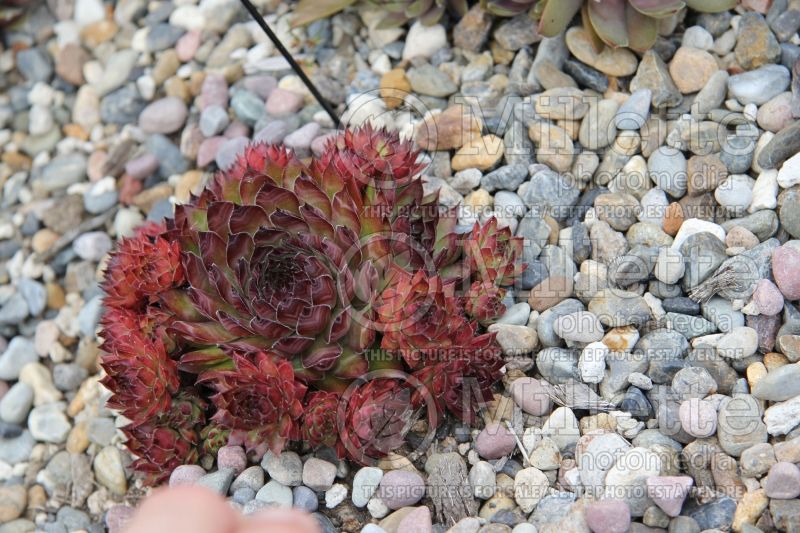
(321, 304)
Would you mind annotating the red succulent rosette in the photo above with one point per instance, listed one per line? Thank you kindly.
(460, 380)
(259, 400)
(374, 418)
(319, 427)
(140, 375)
(143, 266)
(491, 254)
(373, 157)
(169, 440)
(419, 313)
(484, 301)
(273, 262)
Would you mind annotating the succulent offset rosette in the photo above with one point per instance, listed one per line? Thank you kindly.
(319, 425)
(490, 263)
(461, 379)
(419, 315)
(143, 267)
(169, 440)
(258, 399)
(374, 417)
(142, 377)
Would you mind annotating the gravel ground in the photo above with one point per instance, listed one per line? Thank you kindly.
(658, 196)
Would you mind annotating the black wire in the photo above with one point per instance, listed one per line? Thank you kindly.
(282, 49)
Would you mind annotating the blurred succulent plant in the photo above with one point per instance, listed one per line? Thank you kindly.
(397, 12)
(248, 318)
(616, 23)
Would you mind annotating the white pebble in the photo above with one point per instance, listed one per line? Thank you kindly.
(592, 363)
(765, 191)
(424, 41)
(789, 174)
(335, 495)
(670, 266)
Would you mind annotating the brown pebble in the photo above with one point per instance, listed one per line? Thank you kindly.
(98, 32)
(17, 160)
(146, 199)
(673, 219)
(188, 183)
(549, 292)
(43, 239)
(55, 296)
(773, 360)
(394, 87)
(705, 173)
(76, 130)
(69, 63)
(78, 439)
(37, 499)
(740, 237)
(449, 129)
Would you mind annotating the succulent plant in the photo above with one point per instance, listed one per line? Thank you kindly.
(249, 318)
(616, 23)
(397, 12)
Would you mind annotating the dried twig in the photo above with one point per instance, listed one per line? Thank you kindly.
(727, 279)
(576, 395)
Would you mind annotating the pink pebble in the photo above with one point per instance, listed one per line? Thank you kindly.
(186, 475)
(187, 45)
(669, 492)
(768, 298)
(260, 85)
(142, 166)
(418, 521)
(608, 516)
(282, 102)
(495, 441)
(236, 129)
(232, 457)
(786, 271)
(118, 517)
(214, 91)
(208, 150)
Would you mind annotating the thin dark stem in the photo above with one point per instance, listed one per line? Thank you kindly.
(282, 49)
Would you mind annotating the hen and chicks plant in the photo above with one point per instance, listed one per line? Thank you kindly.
(251, 317)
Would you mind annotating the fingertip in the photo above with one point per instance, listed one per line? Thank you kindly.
(187, 509)
(280, 520)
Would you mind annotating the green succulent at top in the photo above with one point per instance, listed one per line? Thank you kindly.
(397, 12)
(616, 23)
